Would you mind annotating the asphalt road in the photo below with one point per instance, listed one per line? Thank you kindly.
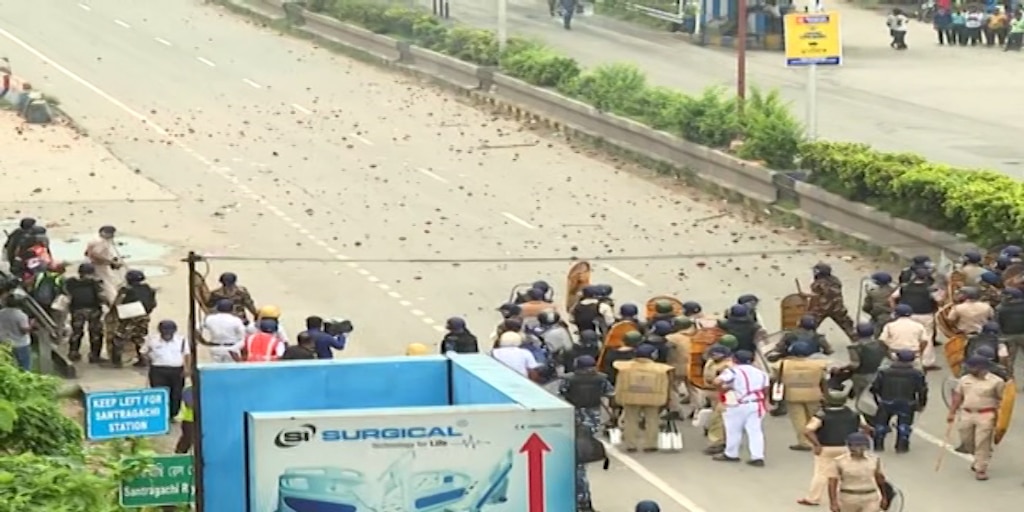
(949, 104)
(290, 153)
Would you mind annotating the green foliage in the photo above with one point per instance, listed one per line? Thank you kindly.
(29, 403)
(770, 132)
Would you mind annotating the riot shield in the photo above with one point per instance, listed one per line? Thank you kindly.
(1005, 413)
(954, 349)
(957, 280)
(677, 306)
(943, 323)
(614, 339)
(701, 340)
(575, 281)
(518, 293)
(792, 307)
(866, 285)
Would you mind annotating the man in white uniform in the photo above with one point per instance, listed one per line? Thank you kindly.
(102, 253)
(744, 387)
(224, 330)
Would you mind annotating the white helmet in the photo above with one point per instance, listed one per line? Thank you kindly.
(510, 339)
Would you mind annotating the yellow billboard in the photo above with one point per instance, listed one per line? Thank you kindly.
(813, 38)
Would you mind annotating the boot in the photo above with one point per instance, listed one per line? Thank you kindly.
(779, 410)
(879, 444)
(902, 445)
(75, 356)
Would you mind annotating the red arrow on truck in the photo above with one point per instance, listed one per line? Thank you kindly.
(535, 448)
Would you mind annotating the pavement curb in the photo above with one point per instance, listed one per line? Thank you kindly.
(779, 196)
(59, 115)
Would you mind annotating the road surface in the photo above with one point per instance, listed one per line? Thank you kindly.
(923, 101)
(332, 161)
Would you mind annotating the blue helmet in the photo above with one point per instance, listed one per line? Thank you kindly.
(801, 349)
(858, 439)
(224, 306)
(228, 278)
(536, 294)
(647, 506)
(744, 356)
(585, 362)
(662, 328)
(809, 322)
(646, 351)
(134, 277)
(268, 325)
(455, 324)
(977, 362)
(1012, 251)
(991, 278)
(865, 329)
(881, 278)
(86, 269)
(691, 308)
(718, 350)
(1003, 261)
(972, 257)
(906, 356)
(922, 272)
(27, 223)
(589, 338)
(604, 290)
(510, 310)
(542, 286)
(986, 352)
(738, 311)
(920, 260)
(748, 299)
(628, 310)
(902, 310)
(589, 291)
(1014, 293)
(990, 328)
(167, 327)
(822, 270)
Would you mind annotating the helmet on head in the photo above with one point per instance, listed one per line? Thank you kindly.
(920, 260)
(902, 310)
(647, 506)
(134, 276)
(748, 299)
(271, 312)
(906, 356)
(542, 286)
(509, 310)
(990, 328)
(535, 294)
(628, 310)
(27, 223)
(801, 349)
(970, 293)
(228, 278)
(681, 323)
(661, 328)
(972, 257)
(455, 324)
(921, 273)
(166, 326)
(744, 356)
(108, 230)
(865, 329)
(584, 362)
(835, 398)
(267, 325)
(858, 440)
(512, 324)
(589, 338)
(224, 306)
(589, 291)
(719, 351)
(663, 307)
(87, 269)
(510, 339)
(991, 278)
(881, 278)
(549, 317)
(739, 311)
(977, 362)
(1012, 251)
(822, 270)
(1014, 293)
(729, 341)
(632, 339)
(986, 352)
(691, 308)
(416, 349)
(604, 290)
(809, 322)
(646, 351)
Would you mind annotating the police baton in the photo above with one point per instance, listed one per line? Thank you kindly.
(945, 446)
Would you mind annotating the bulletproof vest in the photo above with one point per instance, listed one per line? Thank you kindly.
(662, 317)
(579, 350)
(611, 357)
(84, 293)
(1011, 316)
(836, 425)
(809, 337)
(907, 275)
(919, 297)
(872, 353)
(586, 313)
(586, 389)
(802, 379)
(645, 384)
(899, 383)
(460, 343)
(880, 301)
(744, 331)
(661, 345)
(46, 289)
(140, 293)
(981, 340)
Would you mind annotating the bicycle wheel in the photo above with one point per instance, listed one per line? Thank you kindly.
(948, 385)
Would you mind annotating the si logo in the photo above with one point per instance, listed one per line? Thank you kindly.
(290, 438)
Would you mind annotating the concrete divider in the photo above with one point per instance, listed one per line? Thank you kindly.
(27, 102)
(816, 208)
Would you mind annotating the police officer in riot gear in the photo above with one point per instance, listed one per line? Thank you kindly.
(585, 389)
(628, 312)
(918, 292)
(827, 432)
(589, 344)
(866, 355)
(750, 301)
(657, 339)
(989, 338)
(993, 357)
(900, 391)
(626, 352)
(85, 294)
(554, 333)
(740, 324)
(458, 338)
(919, 265)
(663, 310)
(805, 332)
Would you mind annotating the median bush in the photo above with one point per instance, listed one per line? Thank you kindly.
(985, 206)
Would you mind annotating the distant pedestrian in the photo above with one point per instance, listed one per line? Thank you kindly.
(897, 23)
(15, 332)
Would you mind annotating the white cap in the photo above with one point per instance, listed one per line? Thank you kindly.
(510, 339)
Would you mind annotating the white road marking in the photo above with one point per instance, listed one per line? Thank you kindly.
(123, 24)
(162, 41)
(431, 174)
(439, 328)
(360, 138)
(625, 276)
(653, 479)
(85, 7)
(208, 62)
(251, 83)
(302, 109)
(519, 221)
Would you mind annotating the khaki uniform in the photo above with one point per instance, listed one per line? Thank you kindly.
(905, 334)
(824, 463)
(970, 316)
(100, 252)
(642, 387)
(534, 308)
(978, 415)
(858, 491)
(679, 355)
(716, 424)
(802, 378)
(972, 274)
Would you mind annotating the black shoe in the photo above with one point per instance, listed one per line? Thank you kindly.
(96, 359)
(757, 463)
(713, 450)
(75, 356)
(902, 446)
(879, 445)
(630, 450)
(800, 448)
(721, 457)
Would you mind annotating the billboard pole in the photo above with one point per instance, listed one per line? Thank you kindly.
(193, 340)
(741, 55)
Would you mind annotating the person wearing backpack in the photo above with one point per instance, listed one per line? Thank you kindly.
(585, 389)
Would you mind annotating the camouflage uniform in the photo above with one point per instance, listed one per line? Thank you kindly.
(876, 305)
(589, 417)
(93, 318)
(132, 330)
(991, 294)
(241, 300)
(827, 302)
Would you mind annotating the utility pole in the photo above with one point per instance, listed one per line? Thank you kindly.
(193, 339)
(741, 55)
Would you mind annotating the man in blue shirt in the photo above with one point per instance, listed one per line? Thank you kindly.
(325, 343)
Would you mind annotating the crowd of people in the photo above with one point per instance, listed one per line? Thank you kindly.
(974, 25)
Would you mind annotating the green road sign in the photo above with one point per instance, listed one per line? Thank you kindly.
(168, 482)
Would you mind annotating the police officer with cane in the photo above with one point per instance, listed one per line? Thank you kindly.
(827, 432)
(901, 391)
